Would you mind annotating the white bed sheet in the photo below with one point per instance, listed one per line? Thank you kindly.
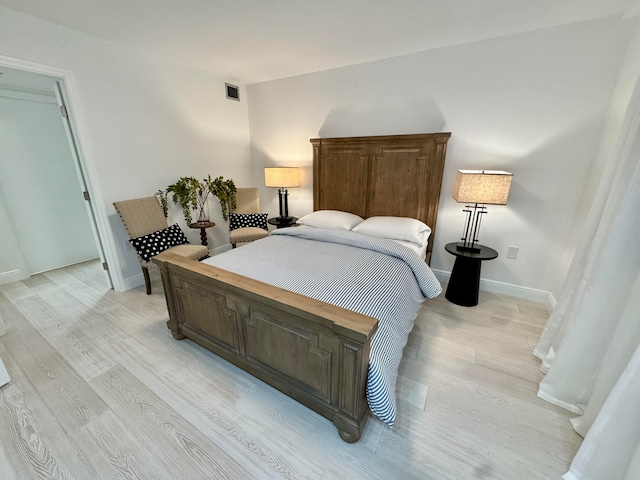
(421, 250)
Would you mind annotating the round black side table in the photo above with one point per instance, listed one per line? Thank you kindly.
(464, 283)
(283, 222)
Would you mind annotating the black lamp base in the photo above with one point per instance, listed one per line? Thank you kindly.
(283, 200)
(466, 247)
(471, 228)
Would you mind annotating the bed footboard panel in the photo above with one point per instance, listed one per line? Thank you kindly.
(314, 352)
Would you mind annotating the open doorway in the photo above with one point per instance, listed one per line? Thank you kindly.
(43, 194)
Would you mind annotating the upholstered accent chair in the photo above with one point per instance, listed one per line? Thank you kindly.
(144, 217)
(246, 223)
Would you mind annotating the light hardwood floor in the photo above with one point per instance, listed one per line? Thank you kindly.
(98, 381)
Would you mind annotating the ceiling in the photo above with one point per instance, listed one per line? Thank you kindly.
(251, 41)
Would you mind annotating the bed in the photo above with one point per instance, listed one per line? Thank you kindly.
(318, 350)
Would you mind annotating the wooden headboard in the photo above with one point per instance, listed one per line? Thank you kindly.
(395, 175)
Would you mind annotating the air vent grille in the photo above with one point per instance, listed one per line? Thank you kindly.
(233, 92)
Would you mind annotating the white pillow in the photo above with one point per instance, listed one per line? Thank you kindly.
(330, 219)
(396, 228)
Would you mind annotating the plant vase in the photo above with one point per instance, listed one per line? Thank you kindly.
(203, 211)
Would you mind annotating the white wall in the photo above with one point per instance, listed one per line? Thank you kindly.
(533, 104)
(142, 122)
(47, 212)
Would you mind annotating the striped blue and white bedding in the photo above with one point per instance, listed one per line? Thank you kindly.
(366, 274)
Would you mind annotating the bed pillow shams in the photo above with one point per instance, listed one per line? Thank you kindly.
(330, 219)
(154, 243)
(396, 228)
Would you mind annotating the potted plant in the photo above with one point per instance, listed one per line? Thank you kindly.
(192, 195)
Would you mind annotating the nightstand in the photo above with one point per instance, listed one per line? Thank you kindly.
(464, 283)
(282, 222)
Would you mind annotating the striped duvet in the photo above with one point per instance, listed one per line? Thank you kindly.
(369, 275)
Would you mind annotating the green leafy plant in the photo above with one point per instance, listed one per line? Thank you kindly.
(192, 194)
(225, 190)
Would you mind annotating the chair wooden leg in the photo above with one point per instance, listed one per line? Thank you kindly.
(147, 280)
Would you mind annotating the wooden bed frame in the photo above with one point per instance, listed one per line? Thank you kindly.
(312, 351)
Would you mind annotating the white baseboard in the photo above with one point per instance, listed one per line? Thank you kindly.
(12, 276)
(527, 293)
(133, 282)
(4, 375)
(3, 327)
(9, 272)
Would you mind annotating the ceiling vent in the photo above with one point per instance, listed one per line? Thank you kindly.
(233, 92)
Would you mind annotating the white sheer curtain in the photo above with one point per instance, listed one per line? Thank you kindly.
(590, 348)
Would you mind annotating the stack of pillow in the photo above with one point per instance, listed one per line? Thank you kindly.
(408, 231)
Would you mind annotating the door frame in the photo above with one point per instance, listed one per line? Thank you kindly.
(87, 176)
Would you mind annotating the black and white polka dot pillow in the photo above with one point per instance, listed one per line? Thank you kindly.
(152, 244)
(243, 220)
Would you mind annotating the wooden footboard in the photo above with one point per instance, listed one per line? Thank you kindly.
(312, 351)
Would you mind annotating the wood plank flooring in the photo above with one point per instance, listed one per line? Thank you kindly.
(101, 390)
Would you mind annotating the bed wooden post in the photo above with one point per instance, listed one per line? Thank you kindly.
(172, 323)
(353, 408)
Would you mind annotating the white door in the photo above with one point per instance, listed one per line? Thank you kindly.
(65, 114)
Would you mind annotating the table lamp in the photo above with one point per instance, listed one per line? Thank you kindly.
(282, 178)
(477, 188)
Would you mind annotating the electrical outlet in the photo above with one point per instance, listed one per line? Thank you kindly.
(512, 252)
